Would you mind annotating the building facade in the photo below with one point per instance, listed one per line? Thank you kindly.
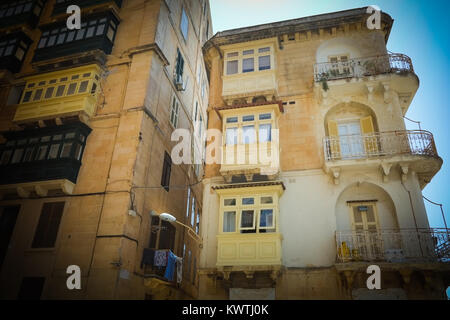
(317, 177)
(86, 117)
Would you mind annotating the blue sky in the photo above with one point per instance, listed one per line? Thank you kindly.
(419, 31)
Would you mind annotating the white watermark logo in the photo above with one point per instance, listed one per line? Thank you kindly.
(74, 280)
(374, 280)
(74, 20)
(250, 152)
(374, 20)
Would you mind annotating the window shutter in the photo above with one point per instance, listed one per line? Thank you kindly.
(370, 141)
(333, 133)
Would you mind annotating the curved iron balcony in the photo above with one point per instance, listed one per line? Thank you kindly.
(394, 245)
(406, 142)
(363, 67)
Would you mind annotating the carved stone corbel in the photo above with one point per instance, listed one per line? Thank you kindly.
(370, 88)
(386, 91)
(386, 169)
(22, 192)
(249, 274)
(336, 172)
(40, 191)
(404, 168)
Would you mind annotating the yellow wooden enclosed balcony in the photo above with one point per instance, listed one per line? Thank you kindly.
(249, 249)
(60, 94)
(249, 234)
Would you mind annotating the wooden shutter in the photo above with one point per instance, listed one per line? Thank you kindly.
(7, 223)
(333, 133)
(367, 130)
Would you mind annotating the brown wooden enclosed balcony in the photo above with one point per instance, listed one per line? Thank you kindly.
(410, 149)
(363, 67)
(61, 5)
(394, 245)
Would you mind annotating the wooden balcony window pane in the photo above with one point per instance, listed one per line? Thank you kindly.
(72, 88)
(266, 200)
(229, 221)
(248, 65)
(49, 92)
(232, 67)
(248, 201)
(264, 62)
(38, 94)
(42, 151)
(265, 134)
(229, 202)
(65, 152)
(266, 218)
(83, 86)
(6, 155)
(17, 156)
(28, 154)
(248, 134)
(53, 153)
(27, 96)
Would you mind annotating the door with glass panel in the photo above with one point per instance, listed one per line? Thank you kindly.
(350, 140)
(367, 241)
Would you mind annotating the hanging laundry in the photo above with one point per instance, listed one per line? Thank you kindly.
(160, 259)
(179, 269)
(170, 269)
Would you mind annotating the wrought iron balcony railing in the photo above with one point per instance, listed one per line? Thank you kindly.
(407, 142)
(396, 246)
(362, 67)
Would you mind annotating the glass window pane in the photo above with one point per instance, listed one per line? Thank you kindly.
(40, 155)
(57, 137)
(248, 65)
(247, 52)
(232, 67)
(27, 96)
(17, 156)
(5, 157)
(266, 49)
(70, 135)
(49, 92)
(229, 221)
(80, 34)
(90, 32)
(248, 134)
(264, 63)
(110, 34)
(53, 153)
(265, 116)
(60, 90)
(51, 40)
(72, 88)
(247, 219)
(232, 54)
(247, 201)
(65, 152)
(265, 132)
(100, 30)
(70, 36)
(248, 118)
(45, 138)
(231, 136)
(78, 150)
(232, 120)
(266, 200)
(83, 86)
(229, 202)
(38, 94)
(28, 154)
(61, 38)
(266, 218)
(20, 53)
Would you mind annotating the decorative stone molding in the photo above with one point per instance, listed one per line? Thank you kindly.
(386, 169)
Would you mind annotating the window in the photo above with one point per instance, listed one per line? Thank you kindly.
(232, 67)
(91, 27)
(184, 24)
(37, 145)
(248, 60)
(14, 8)
(81, 82)
(174, 111)
(8, 217)
(47, 229)
(339, 65)
(188, 199)
(249, 128)
(179, 67)
(167, 167)
(249, 214)
(15, 45)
